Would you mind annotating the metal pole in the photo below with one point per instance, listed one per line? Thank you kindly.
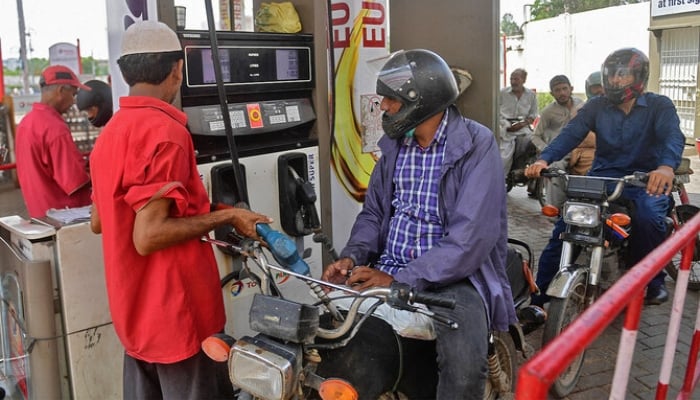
(23, 47)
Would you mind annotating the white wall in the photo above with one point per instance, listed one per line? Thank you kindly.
(576, 44)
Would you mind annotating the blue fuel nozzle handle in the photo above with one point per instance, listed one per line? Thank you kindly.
(283, 249)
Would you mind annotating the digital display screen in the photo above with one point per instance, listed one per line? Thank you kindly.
(208, 75)
(248, 65)
(287, 64)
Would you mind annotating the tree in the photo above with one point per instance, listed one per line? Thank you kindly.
(542, 9)
(510, 27)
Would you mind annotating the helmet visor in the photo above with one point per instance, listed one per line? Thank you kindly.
(396, 78)
(615, 71)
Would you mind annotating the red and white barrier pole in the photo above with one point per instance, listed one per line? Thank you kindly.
(628, 340)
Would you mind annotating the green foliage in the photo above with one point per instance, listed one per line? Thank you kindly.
(509, 27)
(91, 66)
(542, 9)
(543, 100)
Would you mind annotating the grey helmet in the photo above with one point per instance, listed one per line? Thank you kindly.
(422, 81)
(593, 80)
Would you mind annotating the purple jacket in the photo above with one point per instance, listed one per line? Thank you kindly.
(472, 207)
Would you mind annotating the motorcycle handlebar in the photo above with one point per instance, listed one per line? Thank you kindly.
(433, 300)
(401, 293)
(636, 179)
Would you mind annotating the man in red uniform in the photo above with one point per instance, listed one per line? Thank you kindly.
(51, 171)
(152, 209)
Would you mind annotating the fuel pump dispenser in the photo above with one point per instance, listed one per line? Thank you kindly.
(268, 81)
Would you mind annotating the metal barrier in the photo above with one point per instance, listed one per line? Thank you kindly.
(537, 375)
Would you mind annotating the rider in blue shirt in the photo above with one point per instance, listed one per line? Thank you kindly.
(635, 131)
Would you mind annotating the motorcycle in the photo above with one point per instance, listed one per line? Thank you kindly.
(524, 154)
(594, 252)
(680, 214)
(302, 353)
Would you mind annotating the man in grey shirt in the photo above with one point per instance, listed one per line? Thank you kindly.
(518, 110)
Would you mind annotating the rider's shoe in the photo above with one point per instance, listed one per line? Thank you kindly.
(531, 318)
(656, 295)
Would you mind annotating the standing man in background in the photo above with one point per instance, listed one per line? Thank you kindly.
(553, 118)
(97, 103)
(51, 171)
(518, 110)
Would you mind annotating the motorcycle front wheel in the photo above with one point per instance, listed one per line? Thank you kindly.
(684, 213)
(560, 314)
(505, 352)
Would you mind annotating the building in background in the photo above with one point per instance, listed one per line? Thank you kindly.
(674, 53)
(574, 44)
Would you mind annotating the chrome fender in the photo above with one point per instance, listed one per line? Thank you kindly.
(564, 280)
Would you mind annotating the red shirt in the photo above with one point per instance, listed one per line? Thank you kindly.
(164, 304)
(50, 169)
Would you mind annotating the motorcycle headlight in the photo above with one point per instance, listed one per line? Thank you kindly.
(581, 214)
(263, 368)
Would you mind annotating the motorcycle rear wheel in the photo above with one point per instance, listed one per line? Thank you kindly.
(560, 314)
(684, 213)
(506, 353)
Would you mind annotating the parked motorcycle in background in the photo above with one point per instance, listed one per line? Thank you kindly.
(682, 212)
(518, 153)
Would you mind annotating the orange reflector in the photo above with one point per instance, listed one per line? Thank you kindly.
(217, 347)
(621, 219)
(550, 210)
(337, 389)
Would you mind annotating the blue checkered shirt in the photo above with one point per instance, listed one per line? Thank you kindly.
(416, 225)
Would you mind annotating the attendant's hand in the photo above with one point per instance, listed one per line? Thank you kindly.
(660, 181)
(244, 221)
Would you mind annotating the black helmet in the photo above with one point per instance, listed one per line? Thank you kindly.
(625, 61)
(593, 79)
(424, 84)
(101, 97)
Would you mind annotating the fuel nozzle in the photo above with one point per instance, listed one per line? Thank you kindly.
(283, 249)
(285, 252)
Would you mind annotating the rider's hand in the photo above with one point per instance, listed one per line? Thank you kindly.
(660, 181)
(533, 170)
(366, 277)
(338, 271)
(517, 126)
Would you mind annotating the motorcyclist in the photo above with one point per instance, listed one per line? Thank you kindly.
(635, 131)
(97, 103)
(517, 112)
(552, 119)
(436, 186)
